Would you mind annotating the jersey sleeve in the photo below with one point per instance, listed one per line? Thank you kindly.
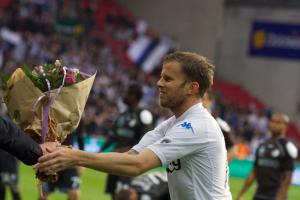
(152, 136)
(17, 143)
(178, 144)
(290, 155)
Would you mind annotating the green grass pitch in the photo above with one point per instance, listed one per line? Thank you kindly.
(93, 183)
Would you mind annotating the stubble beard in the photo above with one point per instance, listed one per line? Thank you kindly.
(172, 102)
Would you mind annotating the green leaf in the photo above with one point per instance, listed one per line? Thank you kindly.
(78, 78)
(54, 78)
(3, 81)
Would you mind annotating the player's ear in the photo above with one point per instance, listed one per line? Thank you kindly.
(193, 87)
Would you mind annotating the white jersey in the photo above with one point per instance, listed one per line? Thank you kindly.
(193, 149)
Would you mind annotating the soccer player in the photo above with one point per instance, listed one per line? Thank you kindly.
(190, 143)
(274, 163)
(129, 127)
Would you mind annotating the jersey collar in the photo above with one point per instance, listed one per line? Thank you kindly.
(194, 108)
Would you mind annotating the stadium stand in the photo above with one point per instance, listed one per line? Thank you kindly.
(242, 98)
(102, 36)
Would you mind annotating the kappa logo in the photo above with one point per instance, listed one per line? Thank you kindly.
(187, 125)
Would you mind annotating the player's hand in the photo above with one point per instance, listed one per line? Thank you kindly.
(48, 147)
(60, 158)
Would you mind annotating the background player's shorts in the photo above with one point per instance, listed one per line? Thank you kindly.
(113, 182)
(8, 178)
(68, 179)
(8, 169)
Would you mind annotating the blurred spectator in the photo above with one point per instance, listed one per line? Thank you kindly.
(256, 140)
(242, 148)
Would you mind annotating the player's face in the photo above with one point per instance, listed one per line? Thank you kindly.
(171, 85)
(277, 125)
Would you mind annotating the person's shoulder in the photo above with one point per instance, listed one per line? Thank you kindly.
(223, 124)
(171, 119)
(187, 125)
(166, 123)
(289, 147)
(198, 113)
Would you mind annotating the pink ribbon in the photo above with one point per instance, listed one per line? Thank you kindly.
(46, 109)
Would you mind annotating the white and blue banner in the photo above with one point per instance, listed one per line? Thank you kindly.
(278, 40)
(147, 52)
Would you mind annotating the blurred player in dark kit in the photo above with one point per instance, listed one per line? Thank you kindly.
(274, 163)
(129, 127)
(69, 179)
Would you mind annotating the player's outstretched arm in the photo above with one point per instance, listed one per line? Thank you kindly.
(123, 164)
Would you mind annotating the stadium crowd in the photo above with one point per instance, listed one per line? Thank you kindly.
(35, 32)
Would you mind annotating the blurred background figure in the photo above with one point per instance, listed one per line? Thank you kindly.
(274, 163)
(151, 186)
(9, 175)
(128, 129)
(208, 101)
(242, 148)
(9, 168)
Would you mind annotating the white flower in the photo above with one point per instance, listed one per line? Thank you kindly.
(75, 70)
(57, 63)
(34, 73)
(41, 69)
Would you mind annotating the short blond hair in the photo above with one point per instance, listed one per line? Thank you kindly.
(195, 67)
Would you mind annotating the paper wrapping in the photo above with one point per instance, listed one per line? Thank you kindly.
(65, 113)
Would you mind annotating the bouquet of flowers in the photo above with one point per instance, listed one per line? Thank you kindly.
(47, 102)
